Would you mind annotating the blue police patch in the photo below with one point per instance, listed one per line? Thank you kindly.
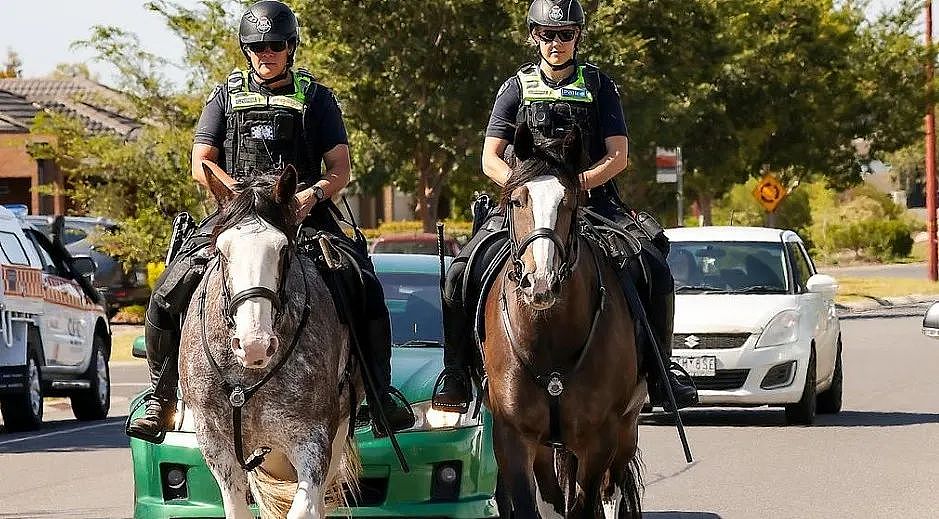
(570, 92)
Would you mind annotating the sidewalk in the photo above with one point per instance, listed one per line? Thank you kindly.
(903, 306)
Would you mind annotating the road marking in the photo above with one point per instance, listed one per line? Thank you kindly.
(129, 384)
(56, 433)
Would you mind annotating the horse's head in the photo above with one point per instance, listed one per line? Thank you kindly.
(541, 199)
(252, 237)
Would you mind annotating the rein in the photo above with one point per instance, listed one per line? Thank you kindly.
(553, 382)
(238, 394)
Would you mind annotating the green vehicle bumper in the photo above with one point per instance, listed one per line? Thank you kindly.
(428, 490)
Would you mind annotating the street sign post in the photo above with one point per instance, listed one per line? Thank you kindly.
(769, 192)
(668, 169)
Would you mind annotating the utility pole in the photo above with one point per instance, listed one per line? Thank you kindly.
(930, 150)
(679, 195)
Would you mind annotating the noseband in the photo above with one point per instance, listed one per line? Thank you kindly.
(567, 251)
(231, 303)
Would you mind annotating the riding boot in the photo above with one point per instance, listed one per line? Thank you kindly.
(661, 317)
(162, 351)
(452, 391)
(396, 408)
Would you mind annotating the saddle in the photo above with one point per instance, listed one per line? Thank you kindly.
(621, 245)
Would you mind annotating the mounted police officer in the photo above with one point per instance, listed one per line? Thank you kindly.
(265, 117)
(552, 96)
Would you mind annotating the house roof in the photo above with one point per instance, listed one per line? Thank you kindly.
(16, 113)
(96, 105)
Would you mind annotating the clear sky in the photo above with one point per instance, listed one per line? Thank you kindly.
(41, 31)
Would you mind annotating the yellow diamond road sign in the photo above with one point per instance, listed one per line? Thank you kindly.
(769, 192)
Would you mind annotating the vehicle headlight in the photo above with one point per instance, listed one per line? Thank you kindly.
(781, 329)
(428, 419)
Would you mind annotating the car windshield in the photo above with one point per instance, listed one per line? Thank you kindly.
(726, 267)
(73, 233)
(414, 304)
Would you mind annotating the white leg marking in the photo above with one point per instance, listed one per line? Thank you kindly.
(309, 503)
(545, 509)
(611, 507)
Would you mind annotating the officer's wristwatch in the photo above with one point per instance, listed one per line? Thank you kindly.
(319, 194)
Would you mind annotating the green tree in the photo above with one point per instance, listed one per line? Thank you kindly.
(416, 80)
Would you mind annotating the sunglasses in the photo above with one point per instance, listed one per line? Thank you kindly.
(261, 46)
(563, 35)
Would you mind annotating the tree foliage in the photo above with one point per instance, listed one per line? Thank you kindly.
(741, 85)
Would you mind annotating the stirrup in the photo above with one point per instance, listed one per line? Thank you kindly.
(682, 375)
(395, 394)
(461, 408)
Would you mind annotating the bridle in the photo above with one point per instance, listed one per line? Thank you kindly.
(231, 303)
(568, 252)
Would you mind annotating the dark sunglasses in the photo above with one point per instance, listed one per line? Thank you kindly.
(564, 35)
(261, 46)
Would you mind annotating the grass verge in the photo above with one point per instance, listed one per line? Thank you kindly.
(857, 289)
(122, 342)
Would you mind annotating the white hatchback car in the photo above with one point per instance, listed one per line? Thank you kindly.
(754, 323)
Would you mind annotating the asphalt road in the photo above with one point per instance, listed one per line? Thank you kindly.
(878, 459)
(905, 271)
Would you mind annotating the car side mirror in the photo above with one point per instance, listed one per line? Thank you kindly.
(931, 322)
(822, 284)
(84, 265)
(140, 347)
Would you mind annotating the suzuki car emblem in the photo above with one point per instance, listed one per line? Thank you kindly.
(556, 13)
(691, 341)
(264, 24)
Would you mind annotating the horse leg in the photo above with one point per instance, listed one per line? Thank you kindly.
(548, 491)
(232, 480)
(625, 472)
(312, 459)
(515, 457)
(593, 464)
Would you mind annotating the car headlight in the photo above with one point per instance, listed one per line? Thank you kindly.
(781, 329)
(427, 418)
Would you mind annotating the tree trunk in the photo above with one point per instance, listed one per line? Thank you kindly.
(427, 192)
(704, 205)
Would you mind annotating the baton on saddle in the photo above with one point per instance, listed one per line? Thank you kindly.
(443, 272)
(371, 386)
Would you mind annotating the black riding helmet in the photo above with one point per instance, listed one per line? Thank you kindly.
(269, 20)
(556, 13)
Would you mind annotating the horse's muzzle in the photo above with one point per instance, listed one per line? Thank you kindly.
(256, 350)
(539, 293)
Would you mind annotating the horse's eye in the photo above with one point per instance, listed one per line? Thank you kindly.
(516, 202)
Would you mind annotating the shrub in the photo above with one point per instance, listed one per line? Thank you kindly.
(873, 238)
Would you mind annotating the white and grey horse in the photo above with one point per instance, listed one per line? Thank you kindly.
(263, 314)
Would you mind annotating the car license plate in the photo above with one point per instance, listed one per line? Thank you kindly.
(698, 366)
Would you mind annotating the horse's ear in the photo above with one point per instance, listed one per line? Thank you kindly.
(286, 186)
(524, 144)
(222, 193)
(573, 147)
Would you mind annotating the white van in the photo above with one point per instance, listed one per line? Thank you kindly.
(54, 334)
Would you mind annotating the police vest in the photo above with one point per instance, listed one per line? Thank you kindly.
(265, 132)
(552, 111)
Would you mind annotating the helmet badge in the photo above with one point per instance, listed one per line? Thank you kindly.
(264, 24)
(556, 13)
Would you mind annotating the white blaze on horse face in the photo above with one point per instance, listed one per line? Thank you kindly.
(253, 251)
(545, 195)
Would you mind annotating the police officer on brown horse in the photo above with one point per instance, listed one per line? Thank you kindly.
(265, 118)
(552, 95)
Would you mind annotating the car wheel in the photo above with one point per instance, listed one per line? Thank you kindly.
(803, 411)
(829, 401)
(23, 412)
(95, 402)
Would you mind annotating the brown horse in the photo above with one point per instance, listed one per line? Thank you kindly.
(559, 351)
